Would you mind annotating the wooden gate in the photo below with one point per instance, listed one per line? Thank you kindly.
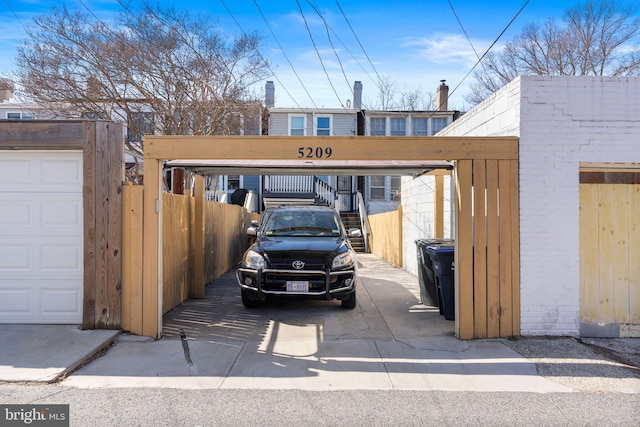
(609, 254)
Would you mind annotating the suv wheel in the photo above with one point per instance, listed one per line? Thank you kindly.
(247, 301)
(350, 302)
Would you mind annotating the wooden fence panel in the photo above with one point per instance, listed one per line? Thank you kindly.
(488, 297)
(386, 236)
(177, 273)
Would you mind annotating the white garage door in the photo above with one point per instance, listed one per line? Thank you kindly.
(41, 241)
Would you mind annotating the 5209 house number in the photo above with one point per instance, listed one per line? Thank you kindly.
(314, 152)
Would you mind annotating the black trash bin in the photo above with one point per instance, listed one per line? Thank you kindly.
(443, 269)
(426, 277)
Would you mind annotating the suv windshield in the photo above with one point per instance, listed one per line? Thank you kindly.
(302, 223)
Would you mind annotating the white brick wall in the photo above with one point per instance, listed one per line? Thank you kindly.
(418, 207)
(561, 121)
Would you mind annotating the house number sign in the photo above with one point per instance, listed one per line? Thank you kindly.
(314, 152)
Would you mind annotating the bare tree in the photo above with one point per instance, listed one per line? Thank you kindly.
(390, 98)
(156, 69)
(595, 38)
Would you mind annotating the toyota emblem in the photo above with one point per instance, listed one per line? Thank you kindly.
(298, 265)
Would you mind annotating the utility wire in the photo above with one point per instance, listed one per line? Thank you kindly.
(16, 15)
(260, 55)
(489, 48)
(358, 40)
(285, 54)
(318, 53)
(326, 26)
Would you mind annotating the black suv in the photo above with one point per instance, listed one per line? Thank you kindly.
(300, 251)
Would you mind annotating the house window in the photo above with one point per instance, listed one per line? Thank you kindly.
(140, 123)
(233, 182)
(419, 126)
(378, 126)
(296, 125)
(19, 116)
(323, 126)
(397, 126)
(437, 124)
(377, 188)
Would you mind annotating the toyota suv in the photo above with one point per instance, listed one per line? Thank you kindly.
(299, 251)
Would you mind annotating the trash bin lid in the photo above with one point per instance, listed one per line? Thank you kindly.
(440, 249)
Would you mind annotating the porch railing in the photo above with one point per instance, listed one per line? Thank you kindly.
(296, 185)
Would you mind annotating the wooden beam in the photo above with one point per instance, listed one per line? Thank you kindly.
(480, 248)
(43, 135)
(318, 148)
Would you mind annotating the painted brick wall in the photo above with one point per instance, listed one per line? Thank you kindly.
(561, 121)
(418, 207)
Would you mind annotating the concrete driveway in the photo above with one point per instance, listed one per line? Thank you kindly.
(389, 341)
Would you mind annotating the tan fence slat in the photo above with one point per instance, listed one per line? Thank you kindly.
(480, 248)
(132, 219)
(493, 251)
(506, 249)
(151, 319)
(89, 225)
(199, 281)
(464, 250)
(589, 269)
(515, 245)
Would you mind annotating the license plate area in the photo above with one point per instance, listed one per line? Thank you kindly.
(297, 286)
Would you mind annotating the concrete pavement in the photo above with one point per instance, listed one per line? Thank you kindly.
(388, 342)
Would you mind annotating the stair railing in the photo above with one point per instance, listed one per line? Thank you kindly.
(324, 192)
(364, 221)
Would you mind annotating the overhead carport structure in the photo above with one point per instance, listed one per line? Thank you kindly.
(486, 223)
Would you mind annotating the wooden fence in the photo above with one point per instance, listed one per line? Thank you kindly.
(223, 243)
(386, 236)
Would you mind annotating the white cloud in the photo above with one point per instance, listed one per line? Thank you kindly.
(447, 48)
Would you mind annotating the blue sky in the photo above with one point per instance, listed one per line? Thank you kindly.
(413, 44)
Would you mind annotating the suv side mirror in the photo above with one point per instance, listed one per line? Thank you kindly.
(252, 232)
(354, 232)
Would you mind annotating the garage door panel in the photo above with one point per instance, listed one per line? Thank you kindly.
(34, 301)
(40, 214)
(41, 237)
(59, 172)
(52, 256)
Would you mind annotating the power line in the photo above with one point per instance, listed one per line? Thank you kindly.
(318, 53)
(326, 26)
(358, 40)
(490, 47)
(260, 55)
(285, 54)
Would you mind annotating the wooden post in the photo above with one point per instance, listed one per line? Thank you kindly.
(152, 264)
(198, 240)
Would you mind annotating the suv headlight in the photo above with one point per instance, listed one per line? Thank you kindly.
(343, 261)
(253, 260)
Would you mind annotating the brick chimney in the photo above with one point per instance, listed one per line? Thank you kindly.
(6, 90)
(442, 97)
(270, 94)
(357, 95)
